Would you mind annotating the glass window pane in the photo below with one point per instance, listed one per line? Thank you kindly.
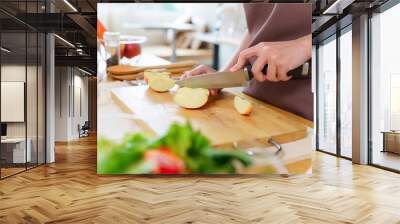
(14, 153)
(346, 94)
(327, 96)
(15, 150)
(385, 84)
(23, 86)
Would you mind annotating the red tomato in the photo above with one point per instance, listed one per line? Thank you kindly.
(132, 50)
(167, 161)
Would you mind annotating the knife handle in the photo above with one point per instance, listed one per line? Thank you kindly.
(296, 73)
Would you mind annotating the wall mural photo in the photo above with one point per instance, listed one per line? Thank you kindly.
(216, 88)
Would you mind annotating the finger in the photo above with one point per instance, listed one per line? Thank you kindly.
(185, 75)
(282, 74)
(243, 58)
(214, 92)
(199, 70)
(257, 68)
(271, 73)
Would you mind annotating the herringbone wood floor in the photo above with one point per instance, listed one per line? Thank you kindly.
(69, 191)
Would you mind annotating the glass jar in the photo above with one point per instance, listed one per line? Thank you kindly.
(131, 48)
(111, 43)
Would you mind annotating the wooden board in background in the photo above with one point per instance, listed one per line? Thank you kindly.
(218, 119)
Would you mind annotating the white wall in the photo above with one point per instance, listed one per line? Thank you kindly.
(80, 103)
(70, 83)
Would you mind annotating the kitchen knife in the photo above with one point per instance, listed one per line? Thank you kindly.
(231, 79)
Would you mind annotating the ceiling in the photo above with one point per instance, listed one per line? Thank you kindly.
(72, 20)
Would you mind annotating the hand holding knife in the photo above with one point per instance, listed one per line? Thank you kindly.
(232, 79)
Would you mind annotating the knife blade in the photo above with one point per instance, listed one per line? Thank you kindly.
(231, 79)
(216, 80)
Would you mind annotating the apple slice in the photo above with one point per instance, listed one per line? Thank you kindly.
(242, 106)
(154, 72)
(161, 83)
(191, 98)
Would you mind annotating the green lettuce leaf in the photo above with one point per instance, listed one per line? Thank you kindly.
(190, 145)
(115, 158)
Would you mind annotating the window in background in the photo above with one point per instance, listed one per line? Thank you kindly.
(327, 95)
(15, 149)
(14, 152)
(22, 77)
(346, 92)
(385, 89)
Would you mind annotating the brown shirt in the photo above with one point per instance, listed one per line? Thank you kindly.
(269, 22)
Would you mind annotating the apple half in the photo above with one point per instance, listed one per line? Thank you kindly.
(154, 72)
(161, 83)
(242, 106)
(191, 98)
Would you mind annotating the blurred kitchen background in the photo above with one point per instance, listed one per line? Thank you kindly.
(207, 33)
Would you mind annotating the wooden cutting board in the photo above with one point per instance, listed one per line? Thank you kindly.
(218, 119)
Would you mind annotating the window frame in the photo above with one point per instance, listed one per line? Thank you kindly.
(333, 37)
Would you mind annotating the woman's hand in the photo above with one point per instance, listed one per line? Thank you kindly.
(200, 70)
(281, 57)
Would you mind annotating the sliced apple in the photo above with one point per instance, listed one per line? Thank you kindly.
(161, 83)
(191, 98)
(154, 72)
(242, 106)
